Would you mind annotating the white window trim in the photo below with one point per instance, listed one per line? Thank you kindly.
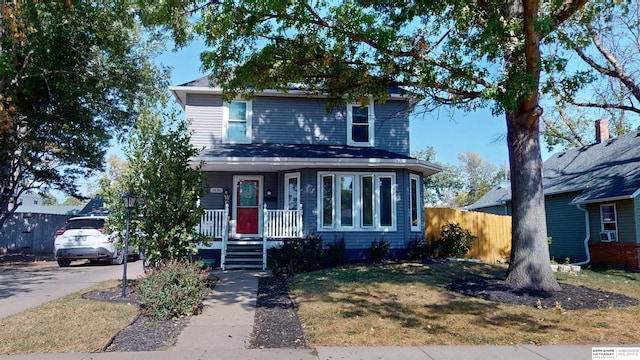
(295, 175)
(357, 202)
(371, 124)
(418, 226)
(615, 213)
(321, 200)
(225, 123)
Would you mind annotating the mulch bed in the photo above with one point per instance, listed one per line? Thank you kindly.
(276, 323)
(143, 334)
(570, 298)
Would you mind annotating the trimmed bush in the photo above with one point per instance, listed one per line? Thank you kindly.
(334, 253)
(173, 289)
(454, 242)
(296, 256)
(417, 248)
(379, 250)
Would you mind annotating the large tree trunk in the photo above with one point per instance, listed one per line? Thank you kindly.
(529, 267)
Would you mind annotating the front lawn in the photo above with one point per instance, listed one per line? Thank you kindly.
(408, 304)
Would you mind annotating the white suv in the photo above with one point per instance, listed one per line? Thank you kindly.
(83, 238)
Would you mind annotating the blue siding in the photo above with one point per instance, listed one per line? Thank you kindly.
(566, 226)
(358, 241)
(293, 120)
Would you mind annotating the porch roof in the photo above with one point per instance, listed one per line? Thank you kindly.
(277, 157)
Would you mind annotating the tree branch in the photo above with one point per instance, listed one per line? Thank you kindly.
(607, 106)
(619, 72)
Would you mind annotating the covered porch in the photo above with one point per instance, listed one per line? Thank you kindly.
(239, 251)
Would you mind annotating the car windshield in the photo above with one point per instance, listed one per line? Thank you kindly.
(85, 224)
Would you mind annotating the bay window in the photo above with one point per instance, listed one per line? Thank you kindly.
(356, 201)
(414, 202)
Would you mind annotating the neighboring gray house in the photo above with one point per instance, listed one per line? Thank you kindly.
(591, 201)
(288, 168)
(32, 228)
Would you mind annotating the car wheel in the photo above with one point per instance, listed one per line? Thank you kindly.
(118, 260)
(64, 262)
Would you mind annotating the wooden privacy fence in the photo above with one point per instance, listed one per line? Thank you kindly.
(493, 232)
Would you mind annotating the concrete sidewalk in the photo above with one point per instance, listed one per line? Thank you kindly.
(224, 329)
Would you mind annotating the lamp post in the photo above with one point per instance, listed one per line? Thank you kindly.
(129, 200)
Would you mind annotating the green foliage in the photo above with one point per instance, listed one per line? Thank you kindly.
(379, 250)
(72, 75)
(296, 256)
(462, 184)
(417, 248)
(334, 253)
(454, 242)
(173, 289)
(163, 222)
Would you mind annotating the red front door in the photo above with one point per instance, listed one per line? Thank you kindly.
(248, 207)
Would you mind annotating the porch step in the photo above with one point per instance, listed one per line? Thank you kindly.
(243, 254)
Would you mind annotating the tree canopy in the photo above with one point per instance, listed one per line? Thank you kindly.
(462, 184)
(73, 75)
(168, 189)
(455, 53)
(602, 51)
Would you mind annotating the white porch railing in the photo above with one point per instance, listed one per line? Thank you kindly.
(215, 224)
(280, 224)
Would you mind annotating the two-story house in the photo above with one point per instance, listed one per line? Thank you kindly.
(285, 166)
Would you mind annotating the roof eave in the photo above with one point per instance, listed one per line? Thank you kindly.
(180, 92)
(284, 163)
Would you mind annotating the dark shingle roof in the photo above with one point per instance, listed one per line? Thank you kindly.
(203, 82)
(600, 172)
(300, 151)
(607, 170)
(494, 197)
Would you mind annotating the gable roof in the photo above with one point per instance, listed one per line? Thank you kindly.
(203, 86)
(265, 156)
(605, 171)
(497, 196)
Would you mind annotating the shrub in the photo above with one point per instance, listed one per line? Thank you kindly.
(296, 256)
(173, 289)
(379, 250)
(334, 254)
(417, 248)
(454, 242)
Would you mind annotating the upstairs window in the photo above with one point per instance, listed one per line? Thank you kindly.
(237, 122)
(360, 121)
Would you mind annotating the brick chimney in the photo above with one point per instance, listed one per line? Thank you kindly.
(602, 130)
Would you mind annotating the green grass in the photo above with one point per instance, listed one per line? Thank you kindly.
(408, 304)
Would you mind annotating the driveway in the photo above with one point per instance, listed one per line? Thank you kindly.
(26, 287)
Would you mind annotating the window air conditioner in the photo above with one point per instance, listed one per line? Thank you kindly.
(608, 236)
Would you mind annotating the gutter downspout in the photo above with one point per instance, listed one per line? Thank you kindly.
(587, 236)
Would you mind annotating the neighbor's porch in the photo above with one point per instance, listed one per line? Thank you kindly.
(238, 251)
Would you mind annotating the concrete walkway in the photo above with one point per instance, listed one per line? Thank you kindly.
(224, 329)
